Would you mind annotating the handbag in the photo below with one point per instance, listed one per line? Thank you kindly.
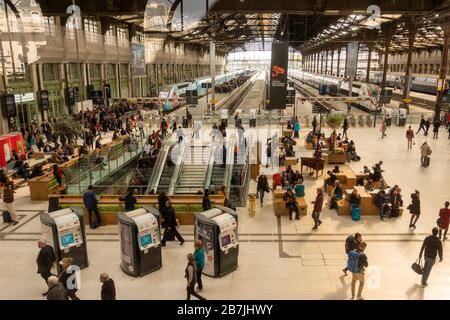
(417, 266)
(440, 223)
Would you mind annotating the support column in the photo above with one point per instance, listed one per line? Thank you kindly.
(369, 57)
(443, 69)
(321, 63)
(332, 62)
(389, 31)
(338, 62)
(388, 34)
(408, 71)
(326, 62)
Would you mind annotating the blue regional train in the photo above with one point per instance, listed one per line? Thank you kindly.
(198, 86)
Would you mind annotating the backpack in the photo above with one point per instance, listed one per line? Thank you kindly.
(353, 261)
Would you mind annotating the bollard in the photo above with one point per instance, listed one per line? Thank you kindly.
(252, 204)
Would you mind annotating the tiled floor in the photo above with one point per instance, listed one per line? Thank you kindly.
(278, 259)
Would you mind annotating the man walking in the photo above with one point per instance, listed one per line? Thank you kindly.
(432, 245)
(8, 199)
(425, 152)
(90, 202)
(45, 260)
(409, 137)
(345, 128)
(357, 263)
(351, 243)
(318, 204)
(171, 225)
(108, 288)
(421, 125)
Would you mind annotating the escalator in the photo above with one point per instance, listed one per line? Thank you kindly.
(192, 176)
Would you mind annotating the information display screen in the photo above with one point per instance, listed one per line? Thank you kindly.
(145, 240)
(226, 240)
(67, 239)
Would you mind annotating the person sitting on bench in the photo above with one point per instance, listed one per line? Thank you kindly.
(336, 195)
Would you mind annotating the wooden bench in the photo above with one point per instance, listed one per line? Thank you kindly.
(347, 179)
(279, 205)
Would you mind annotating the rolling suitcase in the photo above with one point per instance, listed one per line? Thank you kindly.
(6, 217)
(356, 213)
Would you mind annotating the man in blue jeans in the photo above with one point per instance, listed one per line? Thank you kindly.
(432, 245)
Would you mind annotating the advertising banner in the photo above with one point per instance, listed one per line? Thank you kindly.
(352, 58)
(138, 60)
(278, 76)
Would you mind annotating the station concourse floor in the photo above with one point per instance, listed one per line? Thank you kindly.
(278, 259)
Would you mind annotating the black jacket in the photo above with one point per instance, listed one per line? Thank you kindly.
(432, 245)
(64, 277)
(130, 202)
(415, 204)
(170, 218)
(162, 202)
(108, 290)
(45, 259)
(380, 200)
(206, 204)
(262, 184)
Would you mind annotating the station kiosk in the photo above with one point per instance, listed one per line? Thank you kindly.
(401, 119)
(218, 230)
(387, 112)
(64, 231)
(140, 240)
(224, 117)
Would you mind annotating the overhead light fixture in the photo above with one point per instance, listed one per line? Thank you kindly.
(331, 12)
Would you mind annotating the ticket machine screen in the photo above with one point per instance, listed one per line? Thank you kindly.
(145, 240)
(67, 240)
(226, 240)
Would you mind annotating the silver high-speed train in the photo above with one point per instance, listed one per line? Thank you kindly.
(338, 86)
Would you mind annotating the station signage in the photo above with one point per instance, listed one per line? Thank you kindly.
(43, 100)
(278, 76)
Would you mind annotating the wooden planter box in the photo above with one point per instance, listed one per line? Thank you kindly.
(185, 206)
(337, 158)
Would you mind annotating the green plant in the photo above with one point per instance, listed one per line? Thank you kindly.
(334, 121)
(66, 127)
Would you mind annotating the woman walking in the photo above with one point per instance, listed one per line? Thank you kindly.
(297, 128)
(262, 187)
(414, 209)
(199, 257)
(66, 276)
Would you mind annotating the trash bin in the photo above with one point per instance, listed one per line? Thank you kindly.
(252, 204)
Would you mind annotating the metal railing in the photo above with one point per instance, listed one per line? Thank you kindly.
(160, 163)
(109, 161)
(183, 146)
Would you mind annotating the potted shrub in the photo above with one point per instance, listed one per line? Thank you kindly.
(334, 121)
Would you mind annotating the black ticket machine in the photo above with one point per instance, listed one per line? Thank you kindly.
(140, 240)
(64, 231)
(218, 230)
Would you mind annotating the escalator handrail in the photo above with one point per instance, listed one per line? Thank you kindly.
(160, 163)
(210, 164)
(231, 143)
(178, 167)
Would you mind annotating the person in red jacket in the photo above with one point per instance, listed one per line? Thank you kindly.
(276, 180)
(318, 204)
(444, 215)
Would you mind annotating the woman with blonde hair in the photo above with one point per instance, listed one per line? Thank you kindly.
(199, 257)
(66, 278)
